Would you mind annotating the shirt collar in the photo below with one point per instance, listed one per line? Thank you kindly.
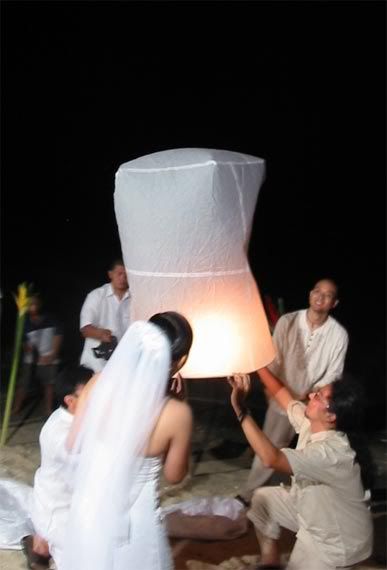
(304, 323)
(66, 414)
(321, 435)
(110, 292)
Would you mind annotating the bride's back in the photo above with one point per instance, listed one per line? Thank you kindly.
(171, 439)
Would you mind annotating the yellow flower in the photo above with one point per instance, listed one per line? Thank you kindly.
(22, 299)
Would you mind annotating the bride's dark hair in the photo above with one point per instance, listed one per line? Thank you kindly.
(178, 331)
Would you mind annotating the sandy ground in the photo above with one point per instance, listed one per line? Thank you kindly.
(211, 474)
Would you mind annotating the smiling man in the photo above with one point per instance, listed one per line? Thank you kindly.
(310, 351)
(326, 505)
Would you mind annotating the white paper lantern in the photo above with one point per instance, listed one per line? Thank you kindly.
(184, 218)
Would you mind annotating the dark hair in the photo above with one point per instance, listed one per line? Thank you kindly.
(115, 262)
(347, 402)
(332, 281)
(35, 295)
(177, 329)
(68, 380)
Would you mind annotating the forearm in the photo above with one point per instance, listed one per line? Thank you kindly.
(260, 443)
(275, 387)
(270, 455)
(91, 331)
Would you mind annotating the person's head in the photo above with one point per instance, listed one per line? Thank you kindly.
(117, 276)
(324, 296)
(347, 403)
(319, 411)
(69, 385)
(338, 405)
(179, 333)
(34, 305)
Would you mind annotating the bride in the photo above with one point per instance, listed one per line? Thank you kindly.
(125, 431)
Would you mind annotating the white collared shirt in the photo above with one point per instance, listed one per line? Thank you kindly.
(103, 309)
(52, 491)
(328, 492)
(306, 358)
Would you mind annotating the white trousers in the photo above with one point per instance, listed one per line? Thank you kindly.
(273, 508)
(280, 432)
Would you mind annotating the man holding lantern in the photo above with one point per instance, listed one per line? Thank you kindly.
(326, 505)
(311, 347)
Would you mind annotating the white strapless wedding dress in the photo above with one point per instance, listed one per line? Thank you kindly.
(146, 545)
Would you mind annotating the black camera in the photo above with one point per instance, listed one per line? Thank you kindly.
(105, 349)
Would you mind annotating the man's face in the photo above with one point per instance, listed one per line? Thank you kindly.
(118, 278)
(318, 405)
(34, 306)
(323, 297)
(73, 399)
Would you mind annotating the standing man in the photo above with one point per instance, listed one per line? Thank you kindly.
(326, 505)
(311, 347)
(42, 343)
(105, 314)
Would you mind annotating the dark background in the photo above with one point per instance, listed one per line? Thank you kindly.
(87, 86)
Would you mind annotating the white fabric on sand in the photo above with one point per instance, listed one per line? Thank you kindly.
(15, 508)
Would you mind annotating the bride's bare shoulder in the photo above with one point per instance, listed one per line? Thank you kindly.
(175, 408)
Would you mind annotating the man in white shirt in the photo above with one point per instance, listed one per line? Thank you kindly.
(326, 505)
(52, 492)
(105, 314)
(311, 347)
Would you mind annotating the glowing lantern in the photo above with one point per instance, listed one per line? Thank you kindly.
(184, 218)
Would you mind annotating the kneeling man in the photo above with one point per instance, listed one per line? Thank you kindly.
(326, 504)
(52, 489)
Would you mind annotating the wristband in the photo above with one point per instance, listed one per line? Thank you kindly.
(244, 412)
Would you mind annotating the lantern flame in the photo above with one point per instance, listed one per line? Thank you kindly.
(217, 345)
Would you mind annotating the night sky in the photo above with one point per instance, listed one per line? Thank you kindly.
(87, 86)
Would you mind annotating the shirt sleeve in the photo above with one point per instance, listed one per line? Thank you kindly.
(278, 334)
(60, 451)
(317, 462)
(53, 440)
(296, 414)
(89, 311)
(336, 362)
